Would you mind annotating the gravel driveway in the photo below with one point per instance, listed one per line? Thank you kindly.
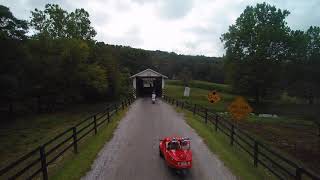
(133, 151)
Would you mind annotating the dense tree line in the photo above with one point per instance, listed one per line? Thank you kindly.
(170, 64)
(265, 58)
(61, 63)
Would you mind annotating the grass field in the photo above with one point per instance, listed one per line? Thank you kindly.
(291, 132)
(236, 160)
(19, 136)
(199, 96)
(75, 166)
(203, 85)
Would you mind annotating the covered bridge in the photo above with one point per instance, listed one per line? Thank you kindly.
(148, 81)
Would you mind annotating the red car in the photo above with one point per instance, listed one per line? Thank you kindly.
(176, 151)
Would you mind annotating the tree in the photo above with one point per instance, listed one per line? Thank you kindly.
(255, 47)
(185, 76)
(78, 25)
(304, 64)
(12, 32)
(103, 56)
(11, 72)
(66, 73)
(313, 63)
(58, 23)
(10, 26)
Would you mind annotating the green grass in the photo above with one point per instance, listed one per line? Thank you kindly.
(236, 160)
(199, 96)
(19, 136)
(75, 166)
(282, 119)
(202, 85)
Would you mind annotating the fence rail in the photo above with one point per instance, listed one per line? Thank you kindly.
(277, 164)
(35, 163)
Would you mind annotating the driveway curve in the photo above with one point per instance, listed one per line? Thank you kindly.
(133, 152)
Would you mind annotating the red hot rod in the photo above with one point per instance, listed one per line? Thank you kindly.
(176, 152)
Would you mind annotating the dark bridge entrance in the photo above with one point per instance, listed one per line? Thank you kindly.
(146, 82)
(147, 85)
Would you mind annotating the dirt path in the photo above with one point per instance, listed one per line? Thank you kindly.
(133, 151)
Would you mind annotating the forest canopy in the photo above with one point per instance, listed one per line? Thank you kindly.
(52, 60)
(265, 58)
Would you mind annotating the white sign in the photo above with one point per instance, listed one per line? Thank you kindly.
(186, 91)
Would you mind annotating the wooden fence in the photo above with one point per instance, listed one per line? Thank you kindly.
(274, 162)
(35, 163)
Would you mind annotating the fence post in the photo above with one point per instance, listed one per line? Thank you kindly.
(75, 143)
(232, 134)
(177, 103)
(95, 124)
(194, 109)
(298, 173)
(206, 115)
(216, 125)
(116, 107)
(256, 152)
(108, 114)
(43, 163)
(122, 105)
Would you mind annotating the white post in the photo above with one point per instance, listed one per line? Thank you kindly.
(162, 83)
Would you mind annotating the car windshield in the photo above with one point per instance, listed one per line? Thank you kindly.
(173, 145)
(185, 145)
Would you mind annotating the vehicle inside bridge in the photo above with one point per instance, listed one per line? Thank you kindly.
(147, 85)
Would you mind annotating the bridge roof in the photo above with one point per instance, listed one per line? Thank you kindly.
(149, 73)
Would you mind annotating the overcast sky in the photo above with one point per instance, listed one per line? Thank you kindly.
(182, 26)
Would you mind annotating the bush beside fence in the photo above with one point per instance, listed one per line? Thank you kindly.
(274, 162)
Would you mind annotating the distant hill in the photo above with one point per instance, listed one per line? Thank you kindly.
(169, 63)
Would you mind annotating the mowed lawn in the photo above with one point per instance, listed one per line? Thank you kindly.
(19, 136)
(296, 136)
(199, 96)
